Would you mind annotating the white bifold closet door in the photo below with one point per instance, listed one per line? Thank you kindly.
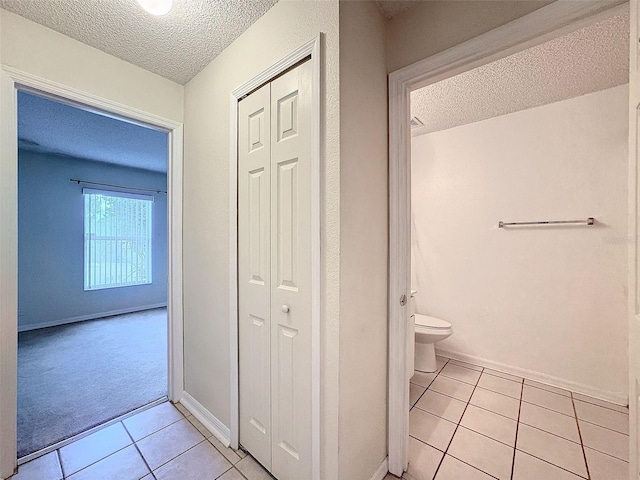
(274, 273)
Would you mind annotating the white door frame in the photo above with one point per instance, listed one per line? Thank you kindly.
(537, 27)
(310, 49)
(10, 82)
(634, 293)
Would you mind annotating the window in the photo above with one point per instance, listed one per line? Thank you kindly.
(117, 239)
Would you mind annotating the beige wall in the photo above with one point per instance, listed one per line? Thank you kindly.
(285, 27)
(363, 240)
(430, 27)
(549, 300)
(40, 51)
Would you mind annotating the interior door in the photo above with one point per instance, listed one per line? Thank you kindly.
(274, 273)
(291, 273)
(634, 254)
(254, 273)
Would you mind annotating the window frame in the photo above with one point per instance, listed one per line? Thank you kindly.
(144, 236)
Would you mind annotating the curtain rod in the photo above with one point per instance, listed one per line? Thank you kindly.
(116, 186)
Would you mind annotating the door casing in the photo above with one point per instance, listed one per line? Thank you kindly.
(634, 283)
(546, 23)
(12, 80)
(310, 49)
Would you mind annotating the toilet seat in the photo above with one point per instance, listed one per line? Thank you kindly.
(431, 322)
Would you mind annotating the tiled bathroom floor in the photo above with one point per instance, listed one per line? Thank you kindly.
(162, 443)
(472, 423)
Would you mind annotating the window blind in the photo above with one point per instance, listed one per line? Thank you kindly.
(117, 239)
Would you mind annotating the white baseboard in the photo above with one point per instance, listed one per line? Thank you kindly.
(93, 316)
(382, 470)
(215, 426)
(618, 398)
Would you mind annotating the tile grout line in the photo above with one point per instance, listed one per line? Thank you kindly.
(626, 407)
(500, 376)
(609, 409)
(602, 426)
(552, 464)
(571, 416)
(472, 404)
(161, 428)
(135, 445)
(57, 450)
(237, 470)
(458, 380)
(458, 423)
(476, 385)
(606, 454)
(549, 409)
(412, 405)
(437, 372)
(180, 454)
(92, 463)
(584, 454)
(515, 442)
(523, 382)
(473, 466)
(549, 433)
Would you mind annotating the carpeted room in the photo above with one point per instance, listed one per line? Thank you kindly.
(92, 270)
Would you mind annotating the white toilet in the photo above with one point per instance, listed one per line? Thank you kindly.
(428, 331)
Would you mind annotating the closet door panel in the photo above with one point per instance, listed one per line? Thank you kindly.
(254, 273)
(291, 273)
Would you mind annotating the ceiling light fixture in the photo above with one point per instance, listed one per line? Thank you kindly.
(156, 7)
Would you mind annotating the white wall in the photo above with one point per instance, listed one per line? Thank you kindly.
(282, 29)
(51, 242)
(550, 300)
(363, 240)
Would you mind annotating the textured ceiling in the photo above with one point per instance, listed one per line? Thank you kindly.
(176, 46)
(48, 126)
(587, 60)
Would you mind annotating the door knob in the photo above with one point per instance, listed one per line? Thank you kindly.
(285, 308)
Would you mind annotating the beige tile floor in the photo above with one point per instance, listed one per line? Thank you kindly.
(466, 423)
(472, 423)
(162, 443)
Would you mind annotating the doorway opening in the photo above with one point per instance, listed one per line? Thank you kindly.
(503, 188)
(92, 270)
(534, 29)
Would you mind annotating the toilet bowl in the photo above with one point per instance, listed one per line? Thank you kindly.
(429, 330)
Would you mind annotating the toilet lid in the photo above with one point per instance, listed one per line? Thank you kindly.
(431, 322)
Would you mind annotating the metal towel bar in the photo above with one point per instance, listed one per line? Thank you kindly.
(588, 221)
